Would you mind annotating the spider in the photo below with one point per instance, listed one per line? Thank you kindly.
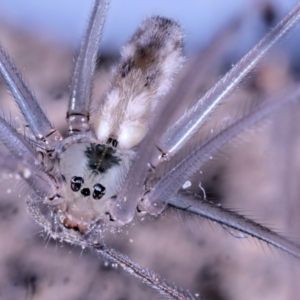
(71, 195)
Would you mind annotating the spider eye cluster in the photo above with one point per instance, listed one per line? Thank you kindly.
(98, 189)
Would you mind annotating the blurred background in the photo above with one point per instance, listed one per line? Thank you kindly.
(201, 20)
(256, 174)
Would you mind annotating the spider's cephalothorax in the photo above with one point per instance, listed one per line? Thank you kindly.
(92, 175)
(105, 170)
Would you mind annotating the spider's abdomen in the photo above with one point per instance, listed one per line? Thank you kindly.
(148, 64)
(93, 174)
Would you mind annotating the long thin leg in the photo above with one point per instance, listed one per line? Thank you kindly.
(31, 110)
(36, 179)
(178, 135)
(147, 276)
(16, 143)
(194, 76)
(194, 204)
(78, 114)
(156, 200)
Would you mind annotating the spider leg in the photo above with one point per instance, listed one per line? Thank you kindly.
(178, 135)
(25, 161)
(147, 276)
(156, 200)
(78, 113)
(29, 106)
(35, 178)
(16, 143)
(72, 237)
(192, 77)
(209, 210)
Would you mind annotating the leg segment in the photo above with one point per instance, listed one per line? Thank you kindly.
(157, 199)
(78, 114)
(16, 143)
(147, 276)
(211, 211)
(74, 238)
(178, 135)
(29, 106)
(36, 179)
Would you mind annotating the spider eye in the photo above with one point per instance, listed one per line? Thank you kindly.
(76, 183)
(85, 192)
(99, 191)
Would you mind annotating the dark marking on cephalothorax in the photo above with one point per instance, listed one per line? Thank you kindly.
(101, 157)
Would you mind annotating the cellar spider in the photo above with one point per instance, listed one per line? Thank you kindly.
(152, 173)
